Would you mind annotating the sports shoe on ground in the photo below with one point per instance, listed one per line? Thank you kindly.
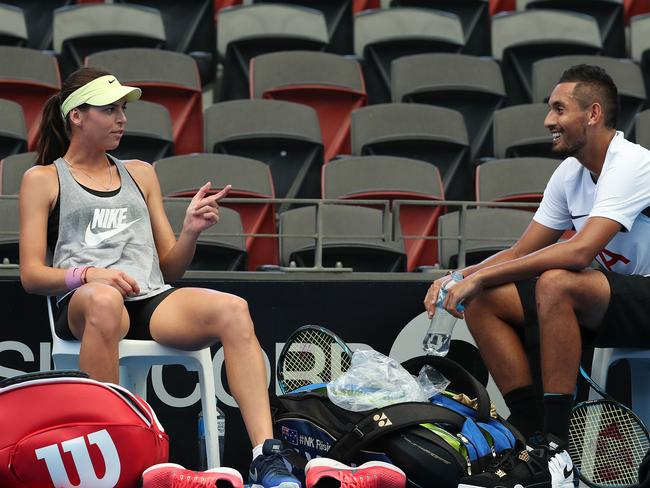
(546, 466)
(328, 473)
(168, 475)
(271, 469)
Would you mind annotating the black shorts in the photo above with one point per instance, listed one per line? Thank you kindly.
(140, 312)
(627, 318)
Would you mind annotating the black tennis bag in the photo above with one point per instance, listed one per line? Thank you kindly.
(437, 442)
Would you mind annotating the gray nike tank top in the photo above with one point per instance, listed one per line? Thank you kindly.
(107, 232)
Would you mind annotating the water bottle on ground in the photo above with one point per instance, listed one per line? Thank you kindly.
(438, 337)
(221, 429)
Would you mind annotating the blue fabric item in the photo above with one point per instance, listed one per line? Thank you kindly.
(271, 470)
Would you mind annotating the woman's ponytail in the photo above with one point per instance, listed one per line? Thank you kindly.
(54, 135)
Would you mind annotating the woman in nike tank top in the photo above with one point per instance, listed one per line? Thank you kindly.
(114, 250)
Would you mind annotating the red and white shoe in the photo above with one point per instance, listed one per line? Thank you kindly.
(328, 473)
(169, 475)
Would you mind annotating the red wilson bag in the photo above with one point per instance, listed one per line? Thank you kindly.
(64, 430)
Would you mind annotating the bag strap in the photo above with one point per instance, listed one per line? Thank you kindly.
(387, 420)
(42, 375)
(459, 377)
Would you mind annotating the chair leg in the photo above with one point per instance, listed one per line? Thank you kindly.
(600, 368)
(209, 406)
(135, 376)
(640, 377)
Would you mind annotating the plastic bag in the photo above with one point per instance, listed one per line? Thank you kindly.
(431, 381)
(375, 380)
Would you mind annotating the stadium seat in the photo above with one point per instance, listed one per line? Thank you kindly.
(626, 74)
(514, 179)
(331, 84)
(286, 136)
(182, 176)
(13, 135)
(221, 247)
(635, 7)
(168, 78)
(9, 229)
(416, 131)
(29, 78)
(521, 38)
(38, 17)
(353, 237)
(137, 358)
(221, 4)
(361, 5)
(608, 14)
(381, 36)
(487, 231)
(248, 31)
(497, 6)
(12, 169)
(338, 15)
(519, 132)
(642, 129)
(392, 178)
(474, 16)
(13, 28)
(640, 45)
(148, 133)
(471, 85)
(81, 30)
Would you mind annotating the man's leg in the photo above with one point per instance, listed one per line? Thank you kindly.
(492, 318)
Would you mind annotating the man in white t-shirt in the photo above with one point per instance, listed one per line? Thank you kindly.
(602, 189)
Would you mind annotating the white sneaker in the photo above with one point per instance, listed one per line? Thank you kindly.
(560, 466)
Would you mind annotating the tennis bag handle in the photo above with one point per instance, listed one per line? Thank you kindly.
(460, 379)
(389, 419)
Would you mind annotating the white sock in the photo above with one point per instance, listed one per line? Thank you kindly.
(257, 450)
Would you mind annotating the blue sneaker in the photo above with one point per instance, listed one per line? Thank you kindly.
(271, 469)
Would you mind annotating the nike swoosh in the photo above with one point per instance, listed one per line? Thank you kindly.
(567, 472)
(111, 81)
(253, 474)
(94, 239)
(579, 216)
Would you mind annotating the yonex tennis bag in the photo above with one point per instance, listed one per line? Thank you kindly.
(62, 429)
(439, 442)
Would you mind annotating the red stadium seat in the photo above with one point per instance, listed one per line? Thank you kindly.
(219, 4)
(635, 7)
(360, 5)
(330, 84)
(168, 78)
(497, 6)
(29, 78)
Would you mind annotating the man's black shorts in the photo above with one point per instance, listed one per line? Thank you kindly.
(140, 312)
(627, 319)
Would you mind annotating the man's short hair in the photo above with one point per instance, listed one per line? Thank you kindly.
(594, 85)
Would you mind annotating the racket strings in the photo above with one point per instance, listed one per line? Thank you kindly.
(313, 357)
(607, 444)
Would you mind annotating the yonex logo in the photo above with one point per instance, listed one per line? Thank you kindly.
(382, 420)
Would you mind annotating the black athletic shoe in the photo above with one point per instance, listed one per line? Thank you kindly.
(515, 469)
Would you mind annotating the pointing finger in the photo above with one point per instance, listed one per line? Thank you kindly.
(203, 191)
(222, 194)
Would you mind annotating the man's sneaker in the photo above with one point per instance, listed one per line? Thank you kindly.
(271, 469)
(559, 463)
(168, 475)
(328, 473)
(514, 469)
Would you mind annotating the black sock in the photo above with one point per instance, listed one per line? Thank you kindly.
(557, 413)
(525, 409)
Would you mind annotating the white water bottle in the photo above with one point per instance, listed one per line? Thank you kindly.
(438, 337)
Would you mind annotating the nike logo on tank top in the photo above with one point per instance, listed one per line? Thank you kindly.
(111, 232)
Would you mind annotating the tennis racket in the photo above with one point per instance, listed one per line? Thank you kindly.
(607, 441)
(312, 354)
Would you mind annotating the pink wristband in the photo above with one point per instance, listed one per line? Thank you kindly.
(73, 277)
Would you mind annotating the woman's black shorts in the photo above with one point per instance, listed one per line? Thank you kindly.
(140, 312)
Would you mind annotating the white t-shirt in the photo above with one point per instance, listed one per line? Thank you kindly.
(622, 194)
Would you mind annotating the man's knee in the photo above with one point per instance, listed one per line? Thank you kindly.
(496, 301)
(554, 285)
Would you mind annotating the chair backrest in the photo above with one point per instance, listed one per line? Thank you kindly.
(357, 237)
(13, 28)
(639, 36)
(487, 230)
(393, 178)
(29, 77)
(519, 131)
(184, 175)
(472, 85)
(284, 135)
(626, 75)
(642, 129)
(330, 84)
(12, 169)
(417, 131)
(514, 179)
(9, 229)
(221, 247)
(13, 134)
(168, 78)
(148, 133)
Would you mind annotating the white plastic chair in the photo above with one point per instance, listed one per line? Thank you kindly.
(136, 359)
(639, 371)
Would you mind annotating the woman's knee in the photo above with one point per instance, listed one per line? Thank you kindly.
(230, 315)
(101, 309)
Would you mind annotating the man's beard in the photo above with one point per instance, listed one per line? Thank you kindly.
(570, 150)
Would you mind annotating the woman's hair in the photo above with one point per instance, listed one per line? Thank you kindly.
(55, 130)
